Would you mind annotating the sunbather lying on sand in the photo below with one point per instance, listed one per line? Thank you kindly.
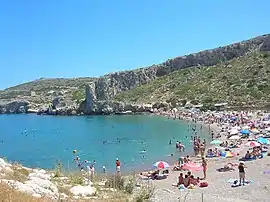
(228, 167)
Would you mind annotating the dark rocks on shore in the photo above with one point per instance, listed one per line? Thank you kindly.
(14, 107)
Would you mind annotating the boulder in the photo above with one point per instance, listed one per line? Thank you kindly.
(38, 185)
(15, 107)
(83, 191)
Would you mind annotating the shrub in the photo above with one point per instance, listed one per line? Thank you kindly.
(115, 181)
(58, 169)
(146, 192)
(129, 187)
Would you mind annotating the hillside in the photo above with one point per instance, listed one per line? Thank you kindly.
(242, 81)
(191, 83)
(43, 91)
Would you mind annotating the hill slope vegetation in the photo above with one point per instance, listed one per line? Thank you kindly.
(242, 81)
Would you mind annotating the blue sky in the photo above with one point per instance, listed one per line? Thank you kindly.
(67, 38)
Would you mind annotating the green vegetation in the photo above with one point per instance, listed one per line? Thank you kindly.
(42, 91)
(243, 81)
(78, 95)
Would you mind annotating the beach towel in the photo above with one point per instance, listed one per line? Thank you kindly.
(266, 172)
(236, 181)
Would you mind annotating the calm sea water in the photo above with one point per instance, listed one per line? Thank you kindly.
(41, 141)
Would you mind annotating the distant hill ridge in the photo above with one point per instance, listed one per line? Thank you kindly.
(107, 86)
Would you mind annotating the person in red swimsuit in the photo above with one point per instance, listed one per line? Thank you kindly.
(118, 164)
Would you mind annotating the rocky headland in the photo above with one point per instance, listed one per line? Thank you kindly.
(97, 95)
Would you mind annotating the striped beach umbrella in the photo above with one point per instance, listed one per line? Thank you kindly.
(161, 165)
(252, 144)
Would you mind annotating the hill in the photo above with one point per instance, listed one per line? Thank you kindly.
(163, 82)
(43, 91)
(242, 82)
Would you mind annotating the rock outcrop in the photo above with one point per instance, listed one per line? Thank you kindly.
(15, 107)
(108, 86)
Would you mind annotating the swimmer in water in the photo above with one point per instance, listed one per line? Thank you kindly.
(170, 142)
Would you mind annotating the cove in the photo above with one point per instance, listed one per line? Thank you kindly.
(41, 141)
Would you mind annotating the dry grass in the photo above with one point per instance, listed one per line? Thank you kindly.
(8, 194)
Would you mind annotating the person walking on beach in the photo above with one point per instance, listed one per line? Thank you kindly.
(204, 165)
(118, 164)
(242, 173)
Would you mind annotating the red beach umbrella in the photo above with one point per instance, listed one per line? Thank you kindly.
(161, 165)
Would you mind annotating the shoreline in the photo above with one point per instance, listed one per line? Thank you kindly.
(219, 189)
(148, 164)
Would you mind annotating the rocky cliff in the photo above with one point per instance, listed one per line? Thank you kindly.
(108, 86)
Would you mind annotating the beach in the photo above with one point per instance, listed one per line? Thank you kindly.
(218, 188)
(223, 124)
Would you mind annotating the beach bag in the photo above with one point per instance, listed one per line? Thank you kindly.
(203, 184)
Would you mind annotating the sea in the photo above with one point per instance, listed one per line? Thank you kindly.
(137, 140)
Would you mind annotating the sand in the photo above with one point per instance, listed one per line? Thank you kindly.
(218, 189)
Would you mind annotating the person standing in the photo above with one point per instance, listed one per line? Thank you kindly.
(204, 165)
(118, 165)
(242, 173)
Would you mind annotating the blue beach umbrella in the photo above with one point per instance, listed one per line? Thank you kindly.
(263, 140)
(245, 132)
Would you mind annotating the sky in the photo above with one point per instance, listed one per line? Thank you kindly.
(82, 38)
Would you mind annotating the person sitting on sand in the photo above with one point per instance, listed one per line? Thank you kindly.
(192, 180)
(210, 153)
(186, 181)
(188, 159)
(216, 153)
(180, 179)
(189, 173)
(248, 155)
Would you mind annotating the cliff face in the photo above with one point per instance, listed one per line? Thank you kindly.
(108, 86)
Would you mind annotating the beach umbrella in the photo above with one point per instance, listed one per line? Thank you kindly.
(192, 167)
(236, 128)
(216, 142)
(255, 131)
(266, 122)
(161, 165)
(252, 144)
(263, 140)
(245, 127)
(235, 137)
(234, 132)
(267, 129)
(245, 132)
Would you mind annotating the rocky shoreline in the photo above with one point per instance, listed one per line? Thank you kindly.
(89, 106)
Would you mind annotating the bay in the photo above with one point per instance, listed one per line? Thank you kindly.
(41, 141)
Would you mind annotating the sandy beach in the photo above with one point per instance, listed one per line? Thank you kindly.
(218, 188)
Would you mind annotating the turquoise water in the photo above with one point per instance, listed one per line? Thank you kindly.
(41, 141)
